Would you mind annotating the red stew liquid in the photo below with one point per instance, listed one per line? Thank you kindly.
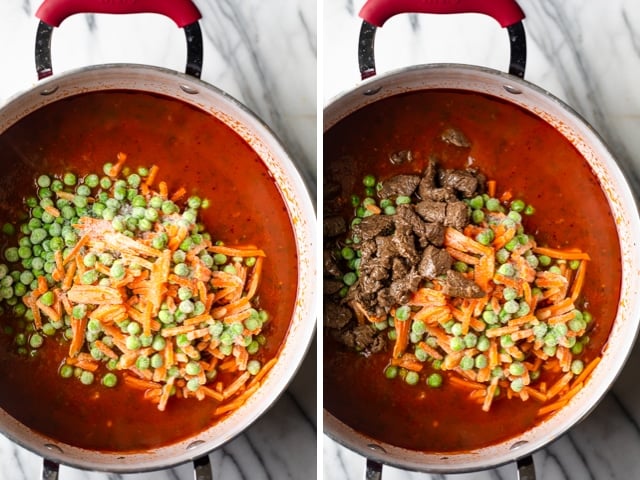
(523, 154)
(192, 149)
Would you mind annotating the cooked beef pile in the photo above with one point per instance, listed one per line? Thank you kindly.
(397, 252)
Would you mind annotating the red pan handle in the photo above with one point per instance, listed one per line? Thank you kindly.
(182, 12)
(506, 12)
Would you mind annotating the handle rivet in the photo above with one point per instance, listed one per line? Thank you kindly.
(511, 89)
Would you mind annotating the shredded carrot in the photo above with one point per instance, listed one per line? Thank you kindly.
(402, 337)
(561, 254)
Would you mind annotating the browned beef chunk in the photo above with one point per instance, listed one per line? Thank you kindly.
(363, 338)
(373, 226)
(330, 286)
(406, 215)
(331, 190)
(400, 290)
(462, 181)
(435, 233)
(399, 185)
(432, 211)
(404, 243)
(386, 250)
(457, 285)
(455, 137)
(333, 226)
(457, 215)
(439, 195)
(336, 316)
(399, 269)
(403, 156)
(435, 262)
(331, 268)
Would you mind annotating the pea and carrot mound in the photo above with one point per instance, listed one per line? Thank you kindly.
(120, 269)
(440, 274)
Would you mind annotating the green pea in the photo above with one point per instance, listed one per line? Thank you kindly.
(47, 298)
(109, 380)
(485, 237)
(192, 368)
(369, 180)
(480, 361)
(492, 204)
(516, 368)
(349, 278)
(517, 385)
(403, 312)
(86, 377)
(434, 380)
(403, 200)
(36, 340)
(412, 378)
(8, 229)
(11, 254)
(181, 269)
(66, 371)
(456, 344)
(483, 343)
(133, 343)
(89, 277)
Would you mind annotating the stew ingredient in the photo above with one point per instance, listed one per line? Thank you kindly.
(521, 154)
(489, 306)
(130, 280)
(193, 150)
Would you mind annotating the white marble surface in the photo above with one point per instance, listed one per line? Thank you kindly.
(262, 53)
(585, 53)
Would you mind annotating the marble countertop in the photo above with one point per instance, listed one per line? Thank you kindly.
(266, 61)
(588, 55)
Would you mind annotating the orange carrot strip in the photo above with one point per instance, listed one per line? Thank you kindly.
(408, 361)
(552, 407)
(488, 399)
(498, 332)
(462, 256)
(491, 188)
(578, 281)
(237, 251)
(115, 169)
(432, 352)
(561, 254)
(212, 393)
(94, 294)
(107, 351)
(559, 385)
(178, 194)
(76, 248)
(402, 337)
(236, 402)
(263, 371)
(153, 171)
(469, 384)
(587, 370)
(78, 327)
(236, 385)
(255, 278)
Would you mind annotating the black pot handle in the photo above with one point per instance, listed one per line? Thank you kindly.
(506, 12)
(526, 468)
(201, 469)
(373, 470)
(183, 12)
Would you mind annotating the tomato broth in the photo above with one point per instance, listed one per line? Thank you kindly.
(536, 163)
(193, 150)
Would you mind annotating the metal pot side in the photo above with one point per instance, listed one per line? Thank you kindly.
(302, 215)
(622, 337)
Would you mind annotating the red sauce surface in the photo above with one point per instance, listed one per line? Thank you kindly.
(192, 149)
(527, 156)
